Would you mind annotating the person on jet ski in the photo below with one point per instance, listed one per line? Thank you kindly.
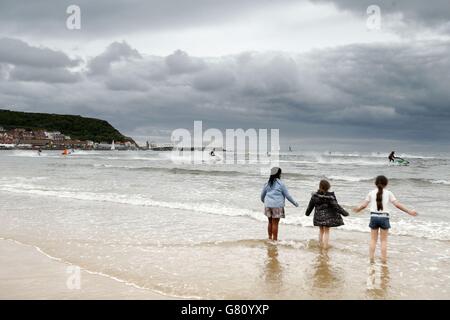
(392, 157)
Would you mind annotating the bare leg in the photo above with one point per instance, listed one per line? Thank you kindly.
(326, 237)
(275, 228)
(384, 240)
(320, 235)
(269, 229)
(373, 244)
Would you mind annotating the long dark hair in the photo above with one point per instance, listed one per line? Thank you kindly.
(274, 177)
(324, 186)
(381, 182)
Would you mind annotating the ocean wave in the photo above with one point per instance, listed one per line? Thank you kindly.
(445, 182)
(378, 155)
(420, 181)
(350, 178)
(415, 228)
(33, 154)
(173, 170)
(334, 161)
(21, 179)
(326, 160)
(87, 153)
(342, 154)
(416, 156)
(208, 171)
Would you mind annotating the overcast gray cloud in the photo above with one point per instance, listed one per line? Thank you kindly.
(18, 52)
(23, 62)
(49, 75)
(105, 17)
(120, 17)
(181, 62)
(115, 52)
(432, 13)
(394, 91)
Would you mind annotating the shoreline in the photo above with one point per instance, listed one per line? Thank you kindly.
(28, 273)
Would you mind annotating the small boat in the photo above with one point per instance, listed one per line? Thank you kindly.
(113, 147)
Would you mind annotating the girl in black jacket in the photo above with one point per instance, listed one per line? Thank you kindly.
(327, 212)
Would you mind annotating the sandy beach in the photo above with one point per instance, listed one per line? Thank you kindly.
(26, 273)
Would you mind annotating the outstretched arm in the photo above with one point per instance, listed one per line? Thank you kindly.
(310, 207)
(340, 210)
(361, 207)
(400, 206)
(288, 196)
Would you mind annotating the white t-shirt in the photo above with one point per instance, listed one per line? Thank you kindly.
(388, 197)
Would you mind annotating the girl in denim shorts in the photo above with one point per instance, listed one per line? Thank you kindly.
(378, 201)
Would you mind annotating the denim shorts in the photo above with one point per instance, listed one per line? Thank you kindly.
(379, 222)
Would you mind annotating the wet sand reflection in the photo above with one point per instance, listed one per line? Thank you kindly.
(327, 280)
(324, 275)
(378, 289)
(273, 271)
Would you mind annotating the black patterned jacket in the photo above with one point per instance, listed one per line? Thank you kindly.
(327, 210)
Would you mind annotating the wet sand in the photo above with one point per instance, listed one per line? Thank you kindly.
(26, 273)
(283, 270)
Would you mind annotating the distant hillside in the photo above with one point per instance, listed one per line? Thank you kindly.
(76, 127)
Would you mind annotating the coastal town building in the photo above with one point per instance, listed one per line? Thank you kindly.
(161, 146)
(19, 138)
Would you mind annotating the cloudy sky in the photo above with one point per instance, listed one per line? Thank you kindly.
(312, 68)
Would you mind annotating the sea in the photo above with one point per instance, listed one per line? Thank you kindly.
(198, 231)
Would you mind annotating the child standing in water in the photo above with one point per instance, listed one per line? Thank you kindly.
(327, 212)
(378, 201)
(273, 194)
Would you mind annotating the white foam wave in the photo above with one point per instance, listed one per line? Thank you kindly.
(341, 154)
(355, 161)
(415, 228)
(445, 182)
(33, 154)
(402, 227)
(132, 200)
(416, 156)
(87, 153)
(402, 155)
(350, 178)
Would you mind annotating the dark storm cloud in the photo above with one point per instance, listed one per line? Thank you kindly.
(23, 62)
(105, 17)
(214, 78)
(392, 91)
(52, 75)
(18, 52)
(181, 62)
(115, 52)
(47, 18)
